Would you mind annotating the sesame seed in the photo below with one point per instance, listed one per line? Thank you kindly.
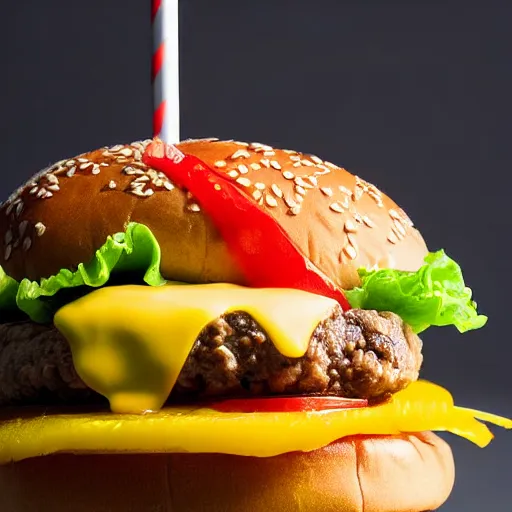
(270, 200)
(299, 198)
(130, 170)
(71, 172)
(269, 153)
(48, 194)
(357, 194)
(297, 164)
(255, 166)
(351, 237)
(290, 202)
(70, 163)
(41, 193)
(96, 169)
(53, 188)
(19, 209)
(392, 238)
(290, 151)
(257, 194)
(126, 152)
(8, 251)
(295, 210)
(327, 191)
(295, 158)
(112, 184)
(325, 170)
(241, 153)
(260, 186)
(27, 243)
(275, 164)
(137, 192)
(265, 162)
(141, 179)
(220, 163)
(300, 190)
(168, 185)
(8, 237)
(104, 164)
(287, 175)
(277, 191)
(52, 178)
(137, 155)
(369, 222)
(245, 182)
(9, 208)
(33, 190)
(137, 185)
(345, 204)
(357, 217)
(194, 207)
(243, 169)
(394, 214)
(244, 144)
(350, 251)
(399, 227)
(312, 180)
(22, 228)
(40, 229)
(331, 165)
(336, 207)
(149, 192)
(350, 227)
(82, 160)
(307, 163)
(232, 174)
(317, 160)
(344, 190)
(85, 166)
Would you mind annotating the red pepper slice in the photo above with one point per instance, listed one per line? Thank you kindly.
(288, 404)
(265, 253)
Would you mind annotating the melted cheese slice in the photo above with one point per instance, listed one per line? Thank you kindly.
(422, 406)
(129, 343)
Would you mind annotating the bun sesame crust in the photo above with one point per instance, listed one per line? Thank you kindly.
(338, 220)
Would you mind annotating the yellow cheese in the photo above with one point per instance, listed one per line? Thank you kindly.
(129, 343)
(422, 406)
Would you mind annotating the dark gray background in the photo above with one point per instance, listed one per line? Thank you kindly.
(413, 97)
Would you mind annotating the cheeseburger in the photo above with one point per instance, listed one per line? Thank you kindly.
(221, 326)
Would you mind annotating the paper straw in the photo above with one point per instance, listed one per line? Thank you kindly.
(166, 83)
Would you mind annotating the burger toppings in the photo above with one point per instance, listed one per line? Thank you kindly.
(199, 429)
(264, 251)
(354, 354)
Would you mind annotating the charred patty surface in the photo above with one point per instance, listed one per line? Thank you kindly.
(358, 353)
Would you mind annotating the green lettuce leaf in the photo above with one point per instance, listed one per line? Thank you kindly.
(135, 253)
(434, 295)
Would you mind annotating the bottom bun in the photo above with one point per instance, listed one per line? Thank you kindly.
(406, 473)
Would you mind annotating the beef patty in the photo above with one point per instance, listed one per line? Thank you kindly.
(358, 353)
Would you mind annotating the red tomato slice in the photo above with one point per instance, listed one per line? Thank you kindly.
(288, 404)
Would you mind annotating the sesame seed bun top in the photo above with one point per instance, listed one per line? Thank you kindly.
(338, 220)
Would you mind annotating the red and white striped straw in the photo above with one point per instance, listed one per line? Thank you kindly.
(165, 72)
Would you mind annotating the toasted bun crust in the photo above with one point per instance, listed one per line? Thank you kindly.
(339, 221)
(407, 473)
